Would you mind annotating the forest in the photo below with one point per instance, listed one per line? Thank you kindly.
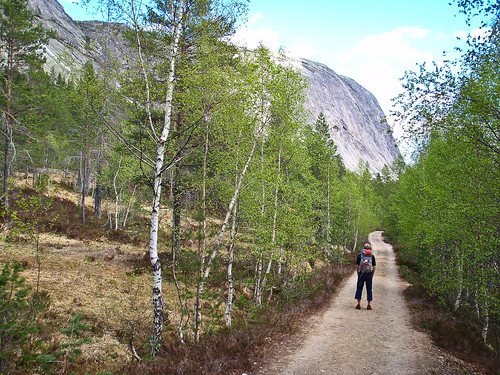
(182, 195)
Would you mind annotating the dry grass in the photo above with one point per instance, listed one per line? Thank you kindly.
(105, 275)
(93, 279)
(235, 350)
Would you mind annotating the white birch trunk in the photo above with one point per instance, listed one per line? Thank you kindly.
(262, 206)
(329, 223)
(258, 278)
(280, 261)
(117, 197)
(215, 248)
(155, 210)
(203, 250)
(356, 231)
(260, 291)
(486, 324)
(128, 207)
(230, 289)
(460, 280)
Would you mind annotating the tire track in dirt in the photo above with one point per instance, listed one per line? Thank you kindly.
(343, 340)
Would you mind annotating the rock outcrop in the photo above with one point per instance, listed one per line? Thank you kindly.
(76, 41)
(353, 114)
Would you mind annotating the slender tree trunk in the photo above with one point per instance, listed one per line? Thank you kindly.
(158, 172)
(460, 277)
(128, 207)
(203, 248)
(6, 121)
(262, 284)
(176, 229)
(80, 171)
(273, 233)
(98, 185)
(258, 277)
(328, 216)
(486, 323)
(280, 261)
(84, 188)
(260, 261)
(8, 127)
(262, 204)
(117, 196)
(180, 327)
(216, 246)
(230, 289)
(176, 208)
(356, 230)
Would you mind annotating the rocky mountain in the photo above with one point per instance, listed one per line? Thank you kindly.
(76, 42)
(352, 112)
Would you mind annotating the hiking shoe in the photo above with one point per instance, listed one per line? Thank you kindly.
(358, 307)
(369, 307)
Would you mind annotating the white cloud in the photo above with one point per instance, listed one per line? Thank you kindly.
(378, 61)
(251, 38)
(256, 18)
(394, 44)
(302, 48)
(476, 33)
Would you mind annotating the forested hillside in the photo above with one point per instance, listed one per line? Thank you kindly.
(445, 208)
(196, 150)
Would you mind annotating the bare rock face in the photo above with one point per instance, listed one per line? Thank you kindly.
(353, 114)
(76, 42)
(68, 46)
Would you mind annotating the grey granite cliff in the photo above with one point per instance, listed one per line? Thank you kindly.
(353, 113)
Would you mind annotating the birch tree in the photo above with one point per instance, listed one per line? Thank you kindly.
(167, 45)
(446, 204)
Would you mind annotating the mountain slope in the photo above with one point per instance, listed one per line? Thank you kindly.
(353, 113)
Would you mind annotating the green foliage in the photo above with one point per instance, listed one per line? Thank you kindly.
(31, 215)
(445, 207)
(17, 325)
(19, 32)
(68, 351)
(235, 113)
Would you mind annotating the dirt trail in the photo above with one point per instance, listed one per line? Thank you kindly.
(335, 341)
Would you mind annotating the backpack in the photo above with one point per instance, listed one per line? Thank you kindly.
(366, 263)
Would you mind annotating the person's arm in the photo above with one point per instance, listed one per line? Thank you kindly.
(373, 272)
(374, 265)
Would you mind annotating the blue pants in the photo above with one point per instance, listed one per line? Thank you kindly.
(362, 278)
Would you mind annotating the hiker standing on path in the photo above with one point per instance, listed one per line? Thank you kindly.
(365, 266)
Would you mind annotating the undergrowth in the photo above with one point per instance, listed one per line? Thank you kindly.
(458, 331)
(65, 220)
(234, 350)
(103, 286)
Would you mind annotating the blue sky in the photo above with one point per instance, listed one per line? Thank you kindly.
(371, 41)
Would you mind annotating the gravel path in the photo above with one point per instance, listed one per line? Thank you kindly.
(343, 340)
